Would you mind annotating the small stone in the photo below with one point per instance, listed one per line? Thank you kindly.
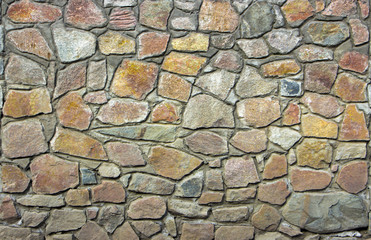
(219, 83)
(193, 42)
(258, 112)
(350, 88)
(51, 174)
(14, 180)
(230, 214)
(325, 105)
(360, 31)
(111, 216)
(115, 43)
(190, 186)
(65, 220)
(297, 11)
(84, 14)
(364, 5)
(77, 144)
(284, 137)
(274, 193)
(165, 111)
(210, 197)
(98, 97)
(250, 141)
(97, 75)
(214, 180)
(304, 180)
(144, 183)
(266, 218)
(239, 172)
(291, 115)
(109, 170)
(92, 212)
(197, 231)
(314, 153)
(354, 125)
(49, 201)
(312, 53)
(341, 8)
(92, 230)
(183, 63)
(162, 237)
(353, 177)
(73, 44)
(328, 33)
(170, 225)
(34, 219)
(289, 229)
(207, 143)
(314, 126)
(280, 68)
(354, 61)
(147, 228)
(147, 208)
(229, 60)
(291, 88)
(283, 40)
(8, 212)
(71, 78)
(223, 41)
(234, 232)
(184, 23)
(218, 16)
(31, 12)
(134, 79)
(120, 3)
(174, 87)
(257, 20)
(59, 237)
(254, 48)
(155, 14)
(108, 191)
(125, 232)
(87, 176)
(122, 19)
(78, 197)
(125, 154)
(187, 208)
(121, 111)
(345, 151)
(23, 139)
(240, 195)
(276, 166)
(152, 44)
(30, 40)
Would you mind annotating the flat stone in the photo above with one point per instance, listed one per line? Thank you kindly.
(51, 174)
(218, 16)
(258, 112)
(234, 232)
(359, 31)
(290, 88)
(109, 170)
(115, 43)
(327, 33)
(207, 143)
(166, 112)
(219, 83)
(87, 176)
(230, 214)
(78, 197)
(276, 166)
(266, 218)
(23, 139)
(77, 144)
(190, 186)
(197, 231)
(354, 125)
(183, 63)
(172, 163)
(250, 141)
(147, 228)
(162, 237)
(312, 53)
(291, 115)
(314, 126)
(155, 14)
(210, 197)
(30, 40)
(21, 70)
(147, 208)
(240, 194)
(98, 97)
(14, 233)
(73, 44)
(280, 68)
(8, 212)
(341, 8)
(354, 61)
(71, 78)
(353, 177)
(170, 225)
(350, 88)
(229, 60)
(192, 42)
(314, 153)
(60, 237)
(340, 211)
(96, 75)
(31, 12)
(120, 3)
(304, 179)
(239, 172)
(274, 193)
(144, 183)
(297, 11)
(122, 19)
(125, 232)
(92, 230)
(284, 137)
(121, 111)
(364, 6)
(187, 208)
(125, 154)
(345, 151)
(13, 179)
(174, 87)
(84, 14)
(257, 20)
(283, 40)
(152, 44)
(214, 180)
(65, 220)
(34, 219)
(271, 236)
(253, 48)
(325, 105)
(134, 79)
(223, 41)
(108, 191)
(49, 201)
(184, 23)
(187, 5)
(111, 216)
(289, 229)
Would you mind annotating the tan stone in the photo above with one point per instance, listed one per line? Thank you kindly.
(353, 177)
(276, 166)
(152, 44)
(325, 105)
(91, 230)
(14, 180)
(239, 172)
(165, 111)
(26, 11)
(304, 179)
(240, 194)
(125, 232)
(197, 231)
(78, 197)
(350, 88)
(234, 232)
(250, 141)
(314, 153)
(274, 193)
(147, 208)
(115, 43)
(183, 63)
(266, 218)
(108, 191)
(210, 197)
(193, 42)
(174, 87)
(280, 68)
(125, 154)
(314, 126)
(291, 115)
(207, 143)
(230, 214)
(354, 125)
(297, 11)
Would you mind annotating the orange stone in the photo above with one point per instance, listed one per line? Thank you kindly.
(291, 115)
(353, 177)
(274, 193)
(210, 197)
(84, 14)
(183, 63)
(297, 11)
(267, 218)
(250, 141)
(280, 68)
(304, 180)
(354, 61)
(314, 153)
(350, 88)
(354, 125)
(152, 44)
(174, 87)
(165, 111)
(108, 191)
(315, 126)
(14, 180)
(276, 166)
(27, 11)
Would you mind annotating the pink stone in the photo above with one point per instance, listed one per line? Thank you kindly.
(207, 143)
(197, 231)
(14, 180)
(341, 8)
(71, 78)
(166, 112)
(304, 180)
(122, 19)
(353, 177)
(250, 141)
(364, 5)
(84, 14)
(8, 212)
(275, 167)
(125, 154)
(98, 97)
(152, 44)
(229, 60)
(319, 77)
(359, 31)
(273, 193)
(354, 61)
(26, 11)
(239, 172)
(147, 208)
(325, 105)
(108, 191)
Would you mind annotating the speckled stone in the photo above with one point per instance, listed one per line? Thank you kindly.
(239, 172)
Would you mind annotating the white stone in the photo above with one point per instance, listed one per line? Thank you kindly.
(219, 83)
(109, 170)
(284, 137)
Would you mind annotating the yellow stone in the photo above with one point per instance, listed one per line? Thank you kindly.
(315, 126)
(193, 42)
(280, 68)
(183, 63)
(314, 153)
(116, 43)
(354, 125)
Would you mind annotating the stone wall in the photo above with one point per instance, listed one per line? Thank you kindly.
(184, 119)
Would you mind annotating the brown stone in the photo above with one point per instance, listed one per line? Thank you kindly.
(125, 154)
(27, 11)
(14, 180)
(134, 79)
(228, 60)
(125, 232)
(20, 103)
(84, 14)
(359, 31)
(214, 180)
(98, 97)
(62, 220)
(207, 143)
(304, 180)
(147, 208)
(250, 141)
(239, 172)
(354, 61)
(314, 153)
(319, 77)
(350, 88)
(210, 197)
(258, 112)
(34, 219)
(174, 87)
(314, 126)
(276, 166)
(152, 44)
(353, 177)
(240, 194)
(146, 227)
(108, 191)
(78, 197)
(197, 231)
(8, 212)
(354, 125)
(71, 78)
(77, 144)
(91, 230)
(297, 11)
(274, 193)
(234, 232)
(183, 63)
(341, 8)
(172, 163)
(230, 214)
(291, 115)
(155, 14)
(266, 218)
(165, 111)
(280, 68)
(51, 174)
(325, 105)
(122, 19)
(23, 139)
(30, 40)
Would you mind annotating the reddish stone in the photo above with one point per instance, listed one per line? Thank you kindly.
(267, 218)
(165, 111)
(280, 68)
(319, 77)
(155, 13)
(250, 141)
(98, 97)
(84, 14)
(274, 193)
(359, 31)
(234, 232)
(350, 88)
(122, 19)
(364, 5)
(71, 78)
(197, 231)
(125, 232)
(297, 11)
(353, 177)
(91, 230)
(210, 197)
(78, 197)
(304, 180)
(174, 87)
(207, 143)
(239, 172)
(228, 60)
(108, 191)
(26, 11)
(341, 8)
(291, 115)
(14, 180)
(152, 44)
(147, 208)
(240, 194)
(8, 212)
(325, 105)
(275, 167)
(354, 61)
(354, 125)
(125, 154)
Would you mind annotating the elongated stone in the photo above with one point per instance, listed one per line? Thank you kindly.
(315, 126)
(115, 43)
(324, 105)
(311, 53)
(78, 197)
(50, 201)
(240, 194)
(183, 63)
(204, 231)
(14, 180)
(65, 220)
(345, 151)
(125, 154)
(354, 125)
(187, 208)
(341, 8)
(250, 141)
(207, 143)
(280, 68)
(304, 179)
(230, 214)
(237, 232)
(122, 19)
(84, 14)
(26, 11)
(193, 42)
(254, 48)
(328, 33)
(144, 183)
(71, 78)
(239, 172)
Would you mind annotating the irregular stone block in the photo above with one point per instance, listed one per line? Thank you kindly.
(276, 166)
(304, 179)
(84, 14)
(353, 177)
(42, 201)
(31, 12)
(92, 230)
(125, 154)
(14, 180)
(108, 191)
(274, 193)
(115, 43)
(174, 87)
(239, 172)
(314, 153)
(147, 208)
(65, 220)
(207, 143)
(250, 141)
(197, 231)
(71, 78)
(152, 44)
(187, 208)
(230, 214)
(155, 14)
(266, 218)
(183, 63)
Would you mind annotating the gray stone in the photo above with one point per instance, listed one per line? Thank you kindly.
(272, 236)
(290, 88)
(240, 194)
(289, 229)
(42, 201)
(187, 5)
(184, 23)
(327, 33)
(219, 83)
(230, 214)
(311, 53)
(90, 231)
(120, 3)
(280, 19)
(214, 180)
(203, 111)
(34, 219)
(73, 44)
(345, 151)
(207, 143)
(12, 233)
(223, 41)
(60, 237)
(146, 227)
(241, 5)
(190, 186)
(170, 225)
(284, 40)
(284, 137)
(88, 176)
(326, 212)
(144, 183)
(258, 19)
(1, 38)
(111, 216)
(65, 220)
(109, 170)
(97, 75)
(187, 208)
(254, 48)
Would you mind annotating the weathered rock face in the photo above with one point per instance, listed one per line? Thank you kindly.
(239, 172)
(13, 179)
(147, 208)
(30, 12)
(64, 220)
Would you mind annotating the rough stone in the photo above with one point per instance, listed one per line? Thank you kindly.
(125, 154)
(354, 61)
(190, 186)
(239, 172)
(272, 236)
(274, 193)
(207, 143)
(14, 180)
(304, 179)
(280, 68)
(214, 180)
(354, 125)
(147, 208)
(257, 20)
(184, 23)
(250, 141)
(229, 60)
(314, 126)
(183, 63)
(341, 8)
(364, 6)
(65, 220)
(78, 197)
(155, 14)
(187, 208)
(120, 3)
(122, 19)
(219, 83)
(115, 43)
(359, 31)
(325, 105)
(291, 115)
(14, 233)
(49, 201)
(34, 219)
(290, 88)
(284, 137)
(350, 88)
(266, 218)
(98, 97)
(125, 232)
(166, 112)
(152, 44)
(88, 176)
(109, 170)
(254, 48)
(297, 11)
(91, 213)
(144, 183)
(193, 42)
(222, 41)
(71, 78)
(31, 12)
(84, 14)
(283, 40)
(147, 228)
(8, 212)
(174, 87)
(240, 194)
(289, 229)
(311, 53)
(111, 216)
(353, 177)
(345, 151)
(210, 197)
(314, 153)
(328, 33)
(108, 191)
(197, 231)
(92, 230)
(276, 166)
(230, 214)
(234, 232)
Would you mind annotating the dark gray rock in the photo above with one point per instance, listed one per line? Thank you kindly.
(258, 19)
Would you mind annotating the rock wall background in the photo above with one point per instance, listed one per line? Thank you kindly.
(185, 119)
